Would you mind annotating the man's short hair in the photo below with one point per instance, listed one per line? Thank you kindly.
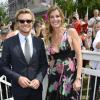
(24, 11)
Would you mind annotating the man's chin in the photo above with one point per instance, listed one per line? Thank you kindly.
(25, 32)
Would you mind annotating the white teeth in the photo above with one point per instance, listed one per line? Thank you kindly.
(55, 23)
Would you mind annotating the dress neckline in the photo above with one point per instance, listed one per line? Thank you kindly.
(64, 37)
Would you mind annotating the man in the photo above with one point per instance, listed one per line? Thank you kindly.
(92, 22)
(24, 59)
(95, 18)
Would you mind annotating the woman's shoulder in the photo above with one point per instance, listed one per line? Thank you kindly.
(71, 29)
(72, 32)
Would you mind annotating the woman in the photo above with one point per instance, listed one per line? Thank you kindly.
(37, 28)
(64, 76)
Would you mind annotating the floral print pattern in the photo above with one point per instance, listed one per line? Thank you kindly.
(62, 73)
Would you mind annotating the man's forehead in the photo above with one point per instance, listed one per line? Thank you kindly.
(25, 15)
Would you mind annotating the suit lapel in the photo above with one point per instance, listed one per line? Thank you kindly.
(19, 49)
(20, 52)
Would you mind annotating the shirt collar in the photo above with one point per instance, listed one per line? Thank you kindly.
(22, 37)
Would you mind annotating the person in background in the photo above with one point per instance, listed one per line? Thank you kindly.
(95, 18)
(92, 22)
(2, 25)
(13, 30)
(85, 24)
(21, 59)
(37, 28)
(3, 35)
(64, 75)
(76, 23)
(95, 64)
(41, 32)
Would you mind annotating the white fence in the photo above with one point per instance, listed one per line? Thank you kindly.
(86, 72)
(7, 86)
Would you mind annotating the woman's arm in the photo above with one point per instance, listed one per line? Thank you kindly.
(76, 44)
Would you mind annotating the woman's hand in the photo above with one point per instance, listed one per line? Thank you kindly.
(77, 84)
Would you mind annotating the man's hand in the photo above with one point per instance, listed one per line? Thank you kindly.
(35, 84)
(24, 82)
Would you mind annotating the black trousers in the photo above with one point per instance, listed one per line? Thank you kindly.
(92, 84)
(29, 94)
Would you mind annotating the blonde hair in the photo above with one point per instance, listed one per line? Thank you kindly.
(24, 11)
(53, 8)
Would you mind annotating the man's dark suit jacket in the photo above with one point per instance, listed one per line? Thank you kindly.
(14, 63)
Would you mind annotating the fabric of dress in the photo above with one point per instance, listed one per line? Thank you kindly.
(62, 73)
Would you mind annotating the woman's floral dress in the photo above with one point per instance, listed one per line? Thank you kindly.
(62, 73)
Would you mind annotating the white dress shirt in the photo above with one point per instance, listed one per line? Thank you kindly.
(22, 42)
(96, 40)
(96, 64)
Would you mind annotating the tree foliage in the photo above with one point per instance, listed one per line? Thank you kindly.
(66, 5)
(3, 14)
(81, 5)
(91, 4)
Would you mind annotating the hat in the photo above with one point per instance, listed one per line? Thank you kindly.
(75, 15)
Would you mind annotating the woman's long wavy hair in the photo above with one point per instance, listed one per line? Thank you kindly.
(50, 10)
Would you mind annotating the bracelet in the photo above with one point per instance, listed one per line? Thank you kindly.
(79, 79)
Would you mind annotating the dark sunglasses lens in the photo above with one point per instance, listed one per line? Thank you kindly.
(23, 21)
(28, 21)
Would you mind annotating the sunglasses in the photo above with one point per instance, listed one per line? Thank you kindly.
(23, 21)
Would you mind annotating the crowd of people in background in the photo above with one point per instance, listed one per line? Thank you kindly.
(86, 27)
(63, 43)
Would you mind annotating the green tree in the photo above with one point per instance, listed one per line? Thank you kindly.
(81, 5)
(3, 14)
(66, 5)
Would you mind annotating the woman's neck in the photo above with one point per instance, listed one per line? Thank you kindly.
(58, 30)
